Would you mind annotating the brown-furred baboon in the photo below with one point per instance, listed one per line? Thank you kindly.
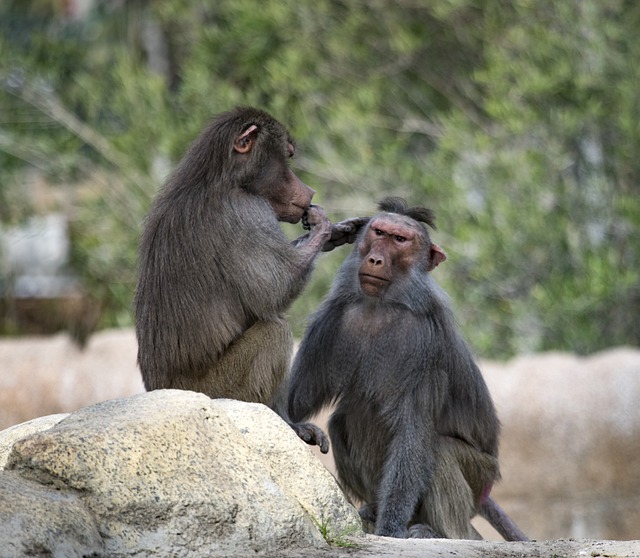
(414, 431)
(217, 272)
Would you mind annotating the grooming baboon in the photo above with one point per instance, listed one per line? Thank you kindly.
(216, 270)
(414, 431)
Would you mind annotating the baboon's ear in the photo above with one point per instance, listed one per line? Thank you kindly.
(245, 141)
(437, 256)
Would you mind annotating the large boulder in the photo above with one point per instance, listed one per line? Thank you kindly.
(170, 473)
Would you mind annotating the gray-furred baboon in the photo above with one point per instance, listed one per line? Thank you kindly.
(216, 271)
(414, 431)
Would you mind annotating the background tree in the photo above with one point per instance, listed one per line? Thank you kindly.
(517, 122)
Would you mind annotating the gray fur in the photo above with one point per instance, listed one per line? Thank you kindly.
(216, 270)
(414, 432)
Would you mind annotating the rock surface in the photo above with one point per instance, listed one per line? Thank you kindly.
(569, 450)
(37, 520)
(168, 473)
(382, 547)
(11, 435)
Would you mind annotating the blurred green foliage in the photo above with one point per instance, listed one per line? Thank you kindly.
(518, 122)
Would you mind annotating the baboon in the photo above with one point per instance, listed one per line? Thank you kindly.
(216, 272)
(414, 431)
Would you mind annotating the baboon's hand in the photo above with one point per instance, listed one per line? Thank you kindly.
(314, 216)
(313, 435)
(344, 232)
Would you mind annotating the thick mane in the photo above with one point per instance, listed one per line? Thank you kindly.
(394, 204)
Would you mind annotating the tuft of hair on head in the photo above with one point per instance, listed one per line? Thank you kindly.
(393, 204)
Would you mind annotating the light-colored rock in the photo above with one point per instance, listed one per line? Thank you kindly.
(382, 547)
(313, 487)
(11, 435)
(171, 473)
(36, 520)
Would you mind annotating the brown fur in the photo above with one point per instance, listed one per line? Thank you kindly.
(217, 272)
